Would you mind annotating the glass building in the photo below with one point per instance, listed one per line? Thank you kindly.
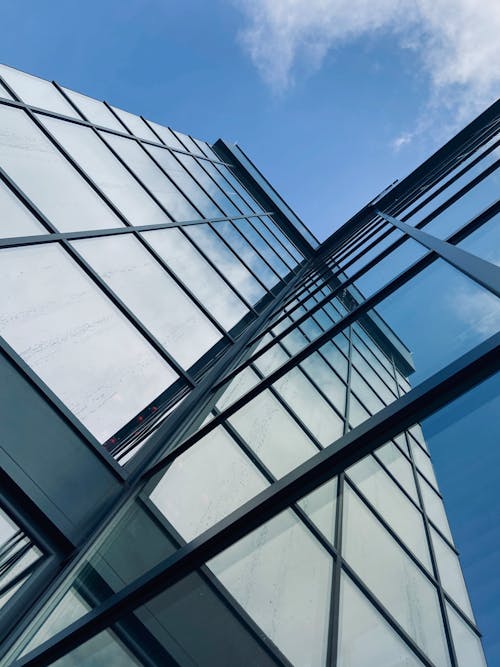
(214, 426)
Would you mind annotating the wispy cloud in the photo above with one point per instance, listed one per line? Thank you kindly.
(457, 43)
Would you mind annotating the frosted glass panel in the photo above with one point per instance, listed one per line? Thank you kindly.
(198, 275)
(137, 278)
(281, 576)
(365, 637)
(16, 220)
(395, 580)
(106, 171)
(47, 178)
(403, 517)
(309, 405)
(271, 432)
(76, 340)
(467, 644)
(206, 483)
(37, 92)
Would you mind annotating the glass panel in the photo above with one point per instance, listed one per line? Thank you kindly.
(392, 505)
(247, 253)
(468, 206)
(459, 314)
(364, 393)
(104, 169)
(103, 649)
(281, 576)
(272, 359)
(135, 276)
(320, 506)
(234, 194)
(467, 644)
(136, 125)
(262, 246)
(485, 241)
(51, 183)
(211, 188)
(242, 383)
(463, 440)
(153, 178)
(206, 483)
(327, 380)
(434, 508)
(393, 578)
(76, 340)
(451, 574)
(93, 110)
(188, 142)
(185, 182)
(167, 136)
(365, 637)
(228, 263)
(16, 220)
(391, 266)
(310, 407)
(198, 275)
(423, 463)
(271, 432)
(399, 466)
(284, 239)
(36, 92)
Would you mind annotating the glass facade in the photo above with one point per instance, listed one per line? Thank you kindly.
(215, 425)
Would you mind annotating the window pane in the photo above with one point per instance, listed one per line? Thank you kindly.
(47, 178)
(16, 220)
(103, 649)
(94, 111)
(310, 406)
(388, 500)
(393, 578)
(281, 576)
(320, 506)
(271, 432)
(166, 135)
(228, 263)
(467, 644)
(76, 340)
(434, 508)
(135, 276)
(365, 637)
(136, 125)
(399, 466)
(152, 177)
(104, 169)
(36, 92)
(206, 483)
(451, 574)
(198, 275)
(485, 241)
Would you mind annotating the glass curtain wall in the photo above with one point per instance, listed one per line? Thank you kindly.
(287, 511)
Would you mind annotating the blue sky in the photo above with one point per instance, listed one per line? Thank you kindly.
(319, 94)
(332, 100)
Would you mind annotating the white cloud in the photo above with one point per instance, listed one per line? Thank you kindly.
(457, 43)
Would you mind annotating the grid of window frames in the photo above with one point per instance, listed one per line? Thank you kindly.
(295, 517)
